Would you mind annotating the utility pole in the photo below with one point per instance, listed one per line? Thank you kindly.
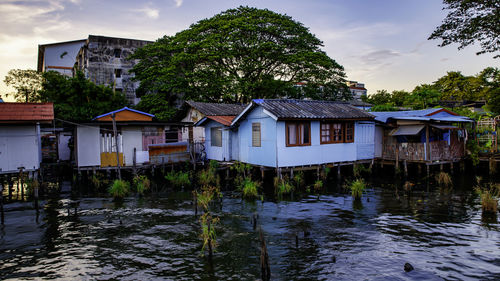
(116, 146)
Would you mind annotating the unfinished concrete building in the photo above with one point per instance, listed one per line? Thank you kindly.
(105, 61)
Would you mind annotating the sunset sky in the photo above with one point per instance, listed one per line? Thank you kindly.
(381, 43)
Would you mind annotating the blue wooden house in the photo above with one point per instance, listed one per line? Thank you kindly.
(292, 133)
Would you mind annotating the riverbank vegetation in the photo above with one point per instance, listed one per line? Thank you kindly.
(489, 194)
(119, 189)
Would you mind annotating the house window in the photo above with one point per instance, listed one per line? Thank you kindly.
(255, 134)
(118, 73)
(216, 136)
(336, 132)
(298, 133)
(117, 53)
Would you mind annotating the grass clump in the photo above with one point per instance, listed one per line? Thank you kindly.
(282, 186)
(357, 187)
(119, 189)
(178, 179)
(298, 179)
(443, 179)
(325, 172)
(318, 185)
(250, 188)
(360, 169)
(142, 184)
(489, 196)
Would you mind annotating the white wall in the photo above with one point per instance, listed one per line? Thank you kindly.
(88, 147)
(131, 137)
(194, 116)
(52, 56)
(213, 152)
(264, 155)
(19, 147)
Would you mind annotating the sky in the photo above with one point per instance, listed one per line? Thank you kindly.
(380, 43)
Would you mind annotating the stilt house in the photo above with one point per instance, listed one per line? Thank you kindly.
(429, 135)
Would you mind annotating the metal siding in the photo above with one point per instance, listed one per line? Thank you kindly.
(132, 137)
(365, 140)
(379, 137)
(88, 146)
(19, 147)
(264, 155)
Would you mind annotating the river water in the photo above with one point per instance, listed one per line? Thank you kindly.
(442, 234)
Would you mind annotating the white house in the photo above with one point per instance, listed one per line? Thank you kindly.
(289, 133)
(20, 142)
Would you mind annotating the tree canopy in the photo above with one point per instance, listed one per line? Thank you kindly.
(26, 82)
(238, 55)
(471, 21)
(78, 99)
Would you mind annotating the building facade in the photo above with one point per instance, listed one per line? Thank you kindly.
(357, 89)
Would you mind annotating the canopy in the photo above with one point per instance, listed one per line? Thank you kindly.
(407, 130)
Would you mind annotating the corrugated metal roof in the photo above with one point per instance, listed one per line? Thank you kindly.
(224, 120)
(312, 109)
(217, 109)
(26, 112)
(421, 115)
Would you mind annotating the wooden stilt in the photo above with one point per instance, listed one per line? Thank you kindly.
(405, 165)
(2, 216)
(428, 171)
(441, 167)
(492, 165)
(338, 172)
(451, 168)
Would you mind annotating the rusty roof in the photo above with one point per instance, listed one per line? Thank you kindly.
(217, 109)
(312, 109)
(13, 112)
(224, 120)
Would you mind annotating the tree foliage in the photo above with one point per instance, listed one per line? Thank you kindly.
(27, 84)
(238, 55)
(78, 99)
(471, 21)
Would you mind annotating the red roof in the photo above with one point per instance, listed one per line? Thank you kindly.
(14, 112)
(224, 120)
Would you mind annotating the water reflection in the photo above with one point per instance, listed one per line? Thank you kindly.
(443, 235)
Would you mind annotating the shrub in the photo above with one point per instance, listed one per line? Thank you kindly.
(119, 189)
(141, 183)
(360, 169)
(298, 179)
(250, 188)
(178, 179)
(357, 187)
(443, 179)
(208, 234)
(282, 186)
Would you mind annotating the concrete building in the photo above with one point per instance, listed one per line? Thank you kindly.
(105, 61)
(60, 57)
(357, 89)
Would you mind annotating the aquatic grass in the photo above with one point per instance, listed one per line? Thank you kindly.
(250, 189)
(298, 179)
(243, 171)
(141, 184)
(357, 187)
(325, 172)
(208, 234)
(282, 186)
(488, 194)
(318, 185)
(119, 189)
(443, 179)
(178, 179)
(360, 169)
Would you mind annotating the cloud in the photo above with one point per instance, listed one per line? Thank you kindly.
(379, 56)
(178, 3)
(149, 12)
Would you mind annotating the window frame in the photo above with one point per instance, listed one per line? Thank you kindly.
(212, 130)
(298, 132)
(255, 125)
(344, 130)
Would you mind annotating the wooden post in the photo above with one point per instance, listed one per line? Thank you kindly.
(10, 187)
(441, 167)
(492, 165)
(338, 172)
(21, 177)
(317, 172)
(396, 166)
(264, 259)
(2, 217)
(135, 161)
(451, 168)
(262, 173)
(35, 193)
(405, 165)
(428, 171)
(117, 147)
(427, 144)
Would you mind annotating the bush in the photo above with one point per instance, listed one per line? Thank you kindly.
(141, 183)
(250, 188)
(318, 185)
(178, 179)
(119, 189)
(298, 179)
(357, 187)
(282, 186)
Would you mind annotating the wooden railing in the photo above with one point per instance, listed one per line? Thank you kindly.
(439, 150)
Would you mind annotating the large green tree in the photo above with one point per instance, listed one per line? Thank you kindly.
(78, 99)
(238, 55)
(471, 21)
(26, 82)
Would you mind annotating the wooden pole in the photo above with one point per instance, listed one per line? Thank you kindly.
(427, 145)
(2, 217)
(117, 148)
